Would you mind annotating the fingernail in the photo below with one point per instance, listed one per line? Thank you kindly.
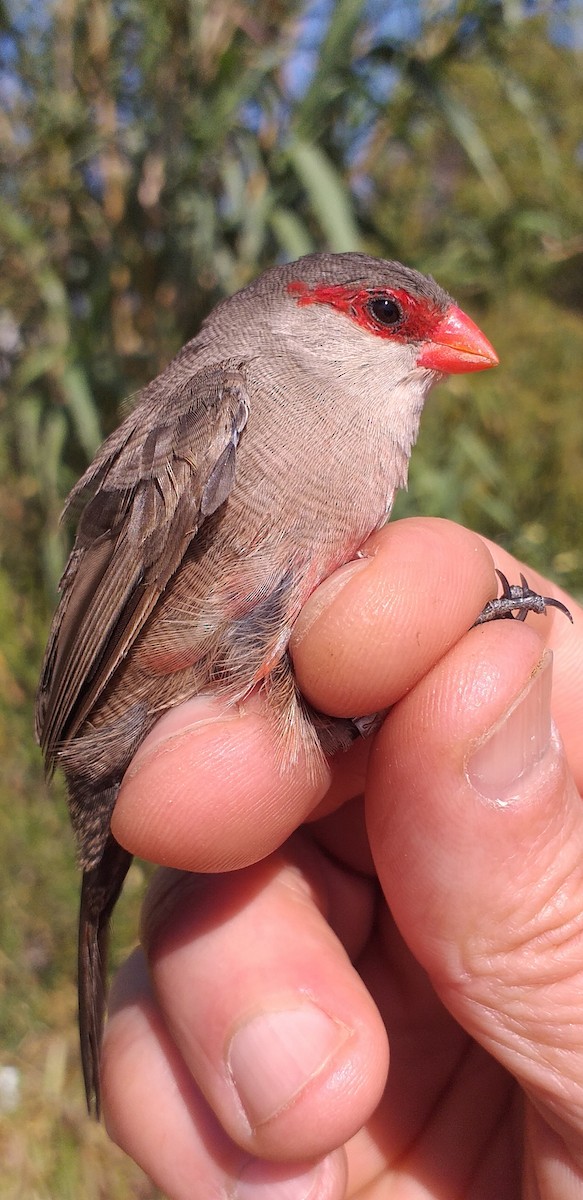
(518, 741)
(257, 1180)
(325, 593)
(175, 725)
(274, 1056)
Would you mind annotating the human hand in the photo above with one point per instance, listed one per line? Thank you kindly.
(248, 1048)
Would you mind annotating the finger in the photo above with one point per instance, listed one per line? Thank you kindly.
(155, 1112)
(566, 641)
(206, 791)
(378, 625)
(263, 1004)
(477, 832)
(222, 763)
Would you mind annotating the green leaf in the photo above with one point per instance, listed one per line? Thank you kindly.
(328, 195)
(469, 135)
(79, 403)
(290, 232)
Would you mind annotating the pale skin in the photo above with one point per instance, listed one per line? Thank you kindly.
(445, 938)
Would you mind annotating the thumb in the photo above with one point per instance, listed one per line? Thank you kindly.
(477, 832)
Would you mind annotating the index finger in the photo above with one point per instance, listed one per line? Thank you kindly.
(372, 631)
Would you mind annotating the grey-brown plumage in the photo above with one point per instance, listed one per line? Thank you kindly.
(254, 465)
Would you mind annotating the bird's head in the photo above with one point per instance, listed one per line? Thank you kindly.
(395, 304)
(359, 328)
(319, 300)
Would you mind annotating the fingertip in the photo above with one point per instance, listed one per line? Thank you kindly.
(207, 790)
(371, 632)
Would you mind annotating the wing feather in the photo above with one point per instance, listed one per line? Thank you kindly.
(144, 498)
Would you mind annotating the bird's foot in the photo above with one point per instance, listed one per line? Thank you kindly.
(516, 601)
(366, 726)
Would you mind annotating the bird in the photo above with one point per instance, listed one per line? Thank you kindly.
(253, 466)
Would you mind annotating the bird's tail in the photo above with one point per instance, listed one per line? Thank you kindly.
(100, 889)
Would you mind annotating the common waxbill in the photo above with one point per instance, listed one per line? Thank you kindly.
(254, 465)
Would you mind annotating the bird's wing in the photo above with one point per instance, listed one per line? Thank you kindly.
(168, 467)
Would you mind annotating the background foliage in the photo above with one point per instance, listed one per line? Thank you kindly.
(157, 154)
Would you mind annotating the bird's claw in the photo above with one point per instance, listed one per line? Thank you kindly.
(516, 601)
(367, 726)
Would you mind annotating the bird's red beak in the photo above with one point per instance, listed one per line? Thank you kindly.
(457, 345)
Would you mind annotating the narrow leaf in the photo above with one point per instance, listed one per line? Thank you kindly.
(328, 195)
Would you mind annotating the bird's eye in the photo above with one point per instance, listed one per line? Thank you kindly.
(385, 311)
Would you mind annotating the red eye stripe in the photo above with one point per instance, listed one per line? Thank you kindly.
(419, 316)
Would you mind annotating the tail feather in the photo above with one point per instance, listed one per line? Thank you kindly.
(100, 889)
